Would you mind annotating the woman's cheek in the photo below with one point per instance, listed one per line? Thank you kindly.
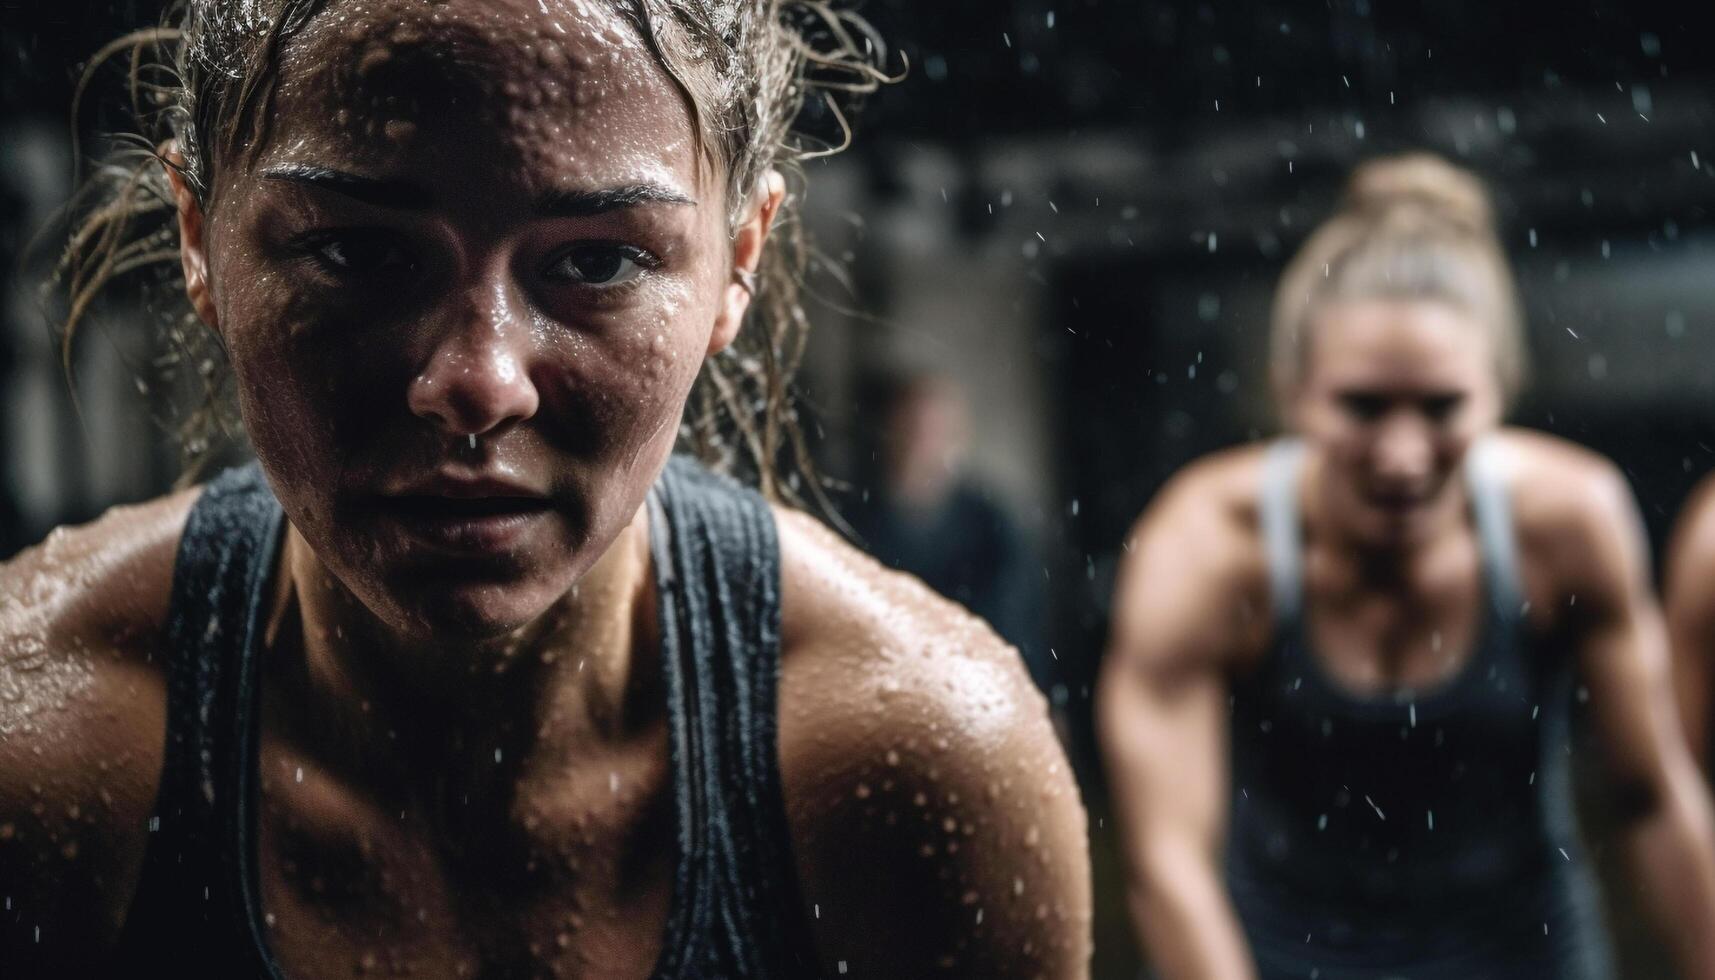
(634, 371)
(304, 394)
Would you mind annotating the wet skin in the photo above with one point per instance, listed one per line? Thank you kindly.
(490, 220)
(1394, 394)
(1689, 589)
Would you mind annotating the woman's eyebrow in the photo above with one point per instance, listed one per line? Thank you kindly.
(583, 203)
(380, 192)
(404, 195)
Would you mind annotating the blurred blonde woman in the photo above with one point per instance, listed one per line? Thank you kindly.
(1336, 707)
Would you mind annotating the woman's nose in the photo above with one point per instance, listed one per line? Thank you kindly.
(476, 377)
(1403, 452)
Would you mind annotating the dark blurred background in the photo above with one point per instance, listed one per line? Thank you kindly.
(1074, 211)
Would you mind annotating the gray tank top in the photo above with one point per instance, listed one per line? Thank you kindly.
(735, 909)
(1424, 835)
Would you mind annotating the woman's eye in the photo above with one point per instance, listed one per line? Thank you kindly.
(1366, 408)
(1440, 409)
(598, 265)
(362, 254)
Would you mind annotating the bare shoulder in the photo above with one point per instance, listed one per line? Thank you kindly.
(1561, 490)
(1215, 497)
(1557, 484)
(1691, 551)
(82, 702)
(929, 799)
(1575, 520)
(1193, 582)
(109, 577)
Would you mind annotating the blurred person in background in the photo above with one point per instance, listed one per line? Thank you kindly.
(468, 675)
(1690, 587)
(1336, 707)
(929, 517)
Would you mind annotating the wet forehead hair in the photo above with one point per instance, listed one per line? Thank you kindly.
(740, 65)
(204, 85)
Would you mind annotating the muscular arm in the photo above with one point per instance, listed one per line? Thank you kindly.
(1691, 618)
(1162, 719)
(1623, 658)
(81, 724)
(937, 828)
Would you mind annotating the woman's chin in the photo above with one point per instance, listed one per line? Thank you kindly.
(471, 612)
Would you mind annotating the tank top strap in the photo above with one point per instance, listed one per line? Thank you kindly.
(1491, 507)
(1282, 528)
(717, 559)
(194, 903)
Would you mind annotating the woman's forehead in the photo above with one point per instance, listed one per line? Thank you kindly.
(1421, 337)
(561, 92)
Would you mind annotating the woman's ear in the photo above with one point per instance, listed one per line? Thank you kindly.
(747, 247)
(192, 253)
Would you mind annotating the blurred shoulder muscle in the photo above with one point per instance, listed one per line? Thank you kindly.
(1192, 593)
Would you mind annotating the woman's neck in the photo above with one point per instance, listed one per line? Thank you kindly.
(570, 667)
(1379, 559)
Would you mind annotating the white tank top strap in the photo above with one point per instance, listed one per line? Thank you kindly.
(1491, 507)
(1282, 532)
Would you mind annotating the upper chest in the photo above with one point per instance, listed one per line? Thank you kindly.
(1412, 624)
(555, 866)
(1417, 627)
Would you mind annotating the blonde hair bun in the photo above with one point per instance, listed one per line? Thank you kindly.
(1412, 227)
(1421, 182)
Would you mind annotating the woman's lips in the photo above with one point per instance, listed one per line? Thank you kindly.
(1398, 505)
(467, 525)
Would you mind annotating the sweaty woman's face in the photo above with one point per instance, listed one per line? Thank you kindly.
(1393, 393)
(466, 286)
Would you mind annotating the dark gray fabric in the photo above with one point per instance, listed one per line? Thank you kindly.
(1427, 835)
(195, 914)
(735, 910)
